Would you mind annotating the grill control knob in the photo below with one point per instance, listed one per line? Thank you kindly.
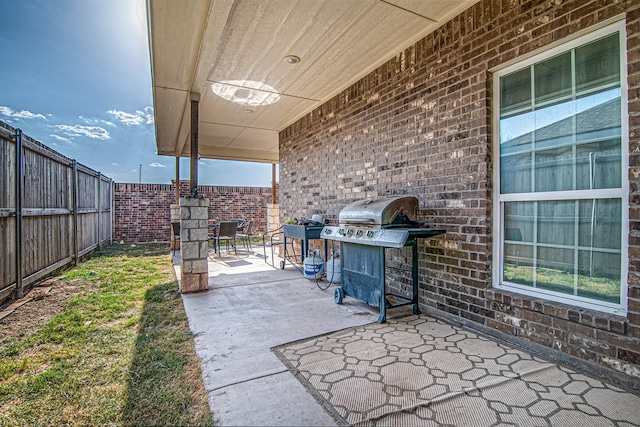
(349, 232)
(327, 231)
(359, 233)
(341, 231)
(369, 233)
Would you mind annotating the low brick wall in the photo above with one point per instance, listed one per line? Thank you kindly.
(142, 214)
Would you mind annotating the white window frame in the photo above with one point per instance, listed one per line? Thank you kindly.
(621, 193)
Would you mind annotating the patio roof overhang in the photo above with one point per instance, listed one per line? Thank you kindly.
(238, 57)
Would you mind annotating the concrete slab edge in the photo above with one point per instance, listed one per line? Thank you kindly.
(270, 374)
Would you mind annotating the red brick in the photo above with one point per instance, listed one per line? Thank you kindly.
(142, 210)
(536, 317)
(421, 124)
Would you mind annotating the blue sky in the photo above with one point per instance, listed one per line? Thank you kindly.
(76, 77)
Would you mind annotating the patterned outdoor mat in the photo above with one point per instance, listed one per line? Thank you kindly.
(421, 371)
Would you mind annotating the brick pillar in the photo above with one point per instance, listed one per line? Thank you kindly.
(273, 221)
(273, 216)
(194, 244)
(175, 217)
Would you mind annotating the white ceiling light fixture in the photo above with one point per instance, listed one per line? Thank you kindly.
(246, 92)
(291, 59)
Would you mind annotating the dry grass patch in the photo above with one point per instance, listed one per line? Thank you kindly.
(117, 351)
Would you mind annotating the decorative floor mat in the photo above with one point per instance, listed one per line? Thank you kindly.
(421, 371)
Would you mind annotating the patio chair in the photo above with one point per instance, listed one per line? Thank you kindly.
(271, 239)
(245, 234)
(239, 221)
(175, 227)
(227, 231)
(212, 234)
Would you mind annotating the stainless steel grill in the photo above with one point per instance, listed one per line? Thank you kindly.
(377, 222)
(367, 227)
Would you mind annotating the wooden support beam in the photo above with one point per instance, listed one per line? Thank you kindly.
(193, 178)
(273, 183)
(177, 180)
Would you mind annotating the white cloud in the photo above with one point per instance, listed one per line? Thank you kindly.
(134, 119)
(87, 119)
(115, 164)
(22, 114)
(90, 121)
(157, 165)
(148, 112)
(60, 138)
(126, 118)
(93, 132)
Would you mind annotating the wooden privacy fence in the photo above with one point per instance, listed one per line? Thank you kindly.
(53, 211)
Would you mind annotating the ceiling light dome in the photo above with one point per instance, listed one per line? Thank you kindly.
(291, 59)
(246, 92)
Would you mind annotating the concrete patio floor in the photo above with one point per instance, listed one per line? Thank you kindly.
(276, 350)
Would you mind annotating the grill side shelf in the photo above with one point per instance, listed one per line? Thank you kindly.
(422, 233)
(388, 238)
(379, 237)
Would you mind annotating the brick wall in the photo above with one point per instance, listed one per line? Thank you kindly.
(141, 211)
(421, 125)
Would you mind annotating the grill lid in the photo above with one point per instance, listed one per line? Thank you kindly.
(382, 211)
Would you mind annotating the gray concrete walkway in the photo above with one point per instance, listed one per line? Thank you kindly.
(249, 308)
(271, 356)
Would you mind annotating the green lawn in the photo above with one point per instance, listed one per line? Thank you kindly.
(599, 288)
(120, 353)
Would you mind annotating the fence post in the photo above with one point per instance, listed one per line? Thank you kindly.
(18, 205)
(74, 208)
(99, 210)
(113, 213)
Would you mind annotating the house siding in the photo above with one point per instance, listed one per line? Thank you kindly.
(421, 124)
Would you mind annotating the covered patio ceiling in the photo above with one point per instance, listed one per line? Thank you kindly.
(239, 58)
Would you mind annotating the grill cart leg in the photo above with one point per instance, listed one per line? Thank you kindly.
(383, 282)
(414, 273)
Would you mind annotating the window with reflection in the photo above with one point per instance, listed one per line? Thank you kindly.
(563, 148)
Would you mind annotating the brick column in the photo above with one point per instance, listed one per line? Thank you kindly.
(273, 216)
(175, 217)
(194, 244)
(273, 221)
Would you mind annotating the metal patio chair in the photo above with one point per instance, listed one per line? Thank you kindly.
(227, 231)
(245, 234)
(271, 239)
(212, 234)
